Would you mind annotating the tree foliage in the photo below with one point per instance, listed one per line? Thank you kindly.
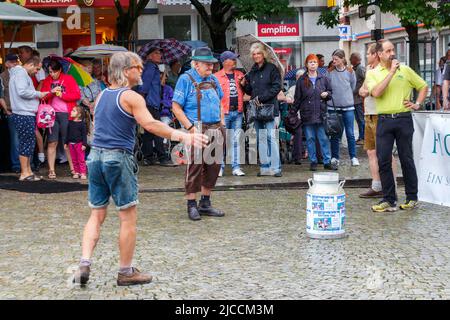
(127, 18)
(432, 13)
(224, 12)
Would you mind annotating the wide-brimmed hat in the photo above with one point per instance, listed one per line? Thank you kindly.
(203, 54)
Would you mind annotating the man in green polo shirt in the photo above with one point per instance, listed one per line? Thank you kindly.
(391, 85)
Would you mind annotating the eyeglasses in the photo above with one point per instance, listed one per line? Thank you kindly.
(140, 68)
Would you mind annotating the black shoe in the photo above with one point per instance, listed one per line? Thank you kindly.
(166, 163)
(278, 174)
(330, 166)
(193, 214)
(298, 162)
(313, 166)
(207, 210)
(148, 162)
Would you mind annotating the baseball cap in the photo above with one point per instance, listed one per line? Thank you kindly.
(228, 55)
(12, 57)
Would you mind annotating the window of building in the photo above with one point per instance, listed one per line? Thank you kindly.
(178, 27)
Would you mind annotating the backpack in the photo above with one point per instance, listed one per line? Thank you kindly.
(45, 117)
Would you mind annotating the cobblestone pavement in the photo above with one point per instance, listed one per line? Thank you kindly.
(259, 250)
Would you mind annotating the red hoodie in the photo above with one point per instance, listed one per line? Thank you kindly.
(70, 90)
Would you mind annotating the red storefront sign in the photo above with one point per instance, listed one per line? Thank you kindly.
(43, 4)
(283, 51)
(278, 30)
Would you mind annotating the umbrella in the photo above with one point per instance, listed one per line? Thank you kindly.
(194, 44)
(172, 50)
(97, 51)
(243, 48)
(290, 75)
(70, 67)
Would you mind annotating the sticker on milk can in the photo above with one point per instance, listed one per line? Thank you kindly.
(325, 214)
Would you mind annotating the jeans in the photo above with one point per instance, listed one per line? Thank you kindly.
(359, 116)
(401, 131)
(311, 132)
(13, 144)
(112, 173)
(233, 123)
(348, 119)
(268, 147)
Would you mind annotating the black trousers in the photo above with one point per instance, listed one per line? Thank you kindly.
(401, 131)
(148, 139)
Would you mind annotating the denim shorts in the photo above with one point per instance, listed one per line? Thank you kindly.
(112, 173)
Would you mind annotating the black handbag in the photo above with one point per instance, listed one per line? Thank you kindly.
(292, 121)
(333, 122)
(262, 112)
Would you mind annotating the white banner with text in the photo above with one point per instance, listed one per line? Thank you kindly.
(431, 145)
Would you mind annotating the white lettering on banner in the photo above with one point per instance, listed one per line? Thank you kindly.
(49, 1)
(74, 20)
(431, 146)
(278, 30)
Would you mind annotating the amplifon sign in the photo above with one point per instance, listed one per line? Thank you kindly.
(39, 4)
(278, 30)
(283, 51)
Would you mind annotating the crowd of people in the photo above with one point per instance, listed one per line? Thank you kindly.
(206, 102)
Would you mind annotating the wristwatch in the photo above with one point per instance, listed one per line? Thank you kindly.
(419, 104)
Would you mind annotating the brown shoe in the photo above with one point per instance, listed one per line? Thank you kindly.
(135, 278)
(82, 275)
(371, 194)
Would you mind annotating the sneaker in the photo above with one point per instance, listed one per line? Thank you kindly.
(370, 193)
(313, 166)
(148, 162)
(136, 277)
(221, 172)
(82, 275)
(335, 161)
(355, 162)
(360, 142)
(75, 176)
(330, 166)
(409, 205)
(238, 172)
(384, 206)
(41, 157)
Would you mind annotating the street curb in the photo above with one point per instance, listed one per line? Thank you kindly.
(351, 183)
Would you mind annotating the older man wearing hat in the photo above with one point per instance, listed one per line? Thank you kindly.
(196, 104)
(11, 60)
(232, 107)
(151, 90)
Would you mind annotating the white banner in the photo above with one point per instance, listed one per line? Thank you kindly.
(431, 145)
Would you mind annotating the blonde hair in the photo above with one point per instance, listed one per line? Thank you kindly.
(259, 47)
(119, 62)
(372, 48)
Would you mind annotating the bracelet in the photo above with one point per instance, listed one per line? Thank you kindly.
(190, 127)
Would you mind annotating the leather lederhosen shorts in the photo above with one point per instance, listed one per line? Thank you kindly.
(204, 171)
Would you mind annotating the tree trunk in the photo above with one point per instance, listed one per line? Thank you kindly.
(219, 40)
(413, 35)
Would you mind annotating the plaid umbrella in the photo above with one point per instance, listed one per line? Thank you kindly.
(172, 49)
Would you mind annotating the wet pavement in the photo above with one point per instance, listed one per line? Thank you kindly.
(259, 250)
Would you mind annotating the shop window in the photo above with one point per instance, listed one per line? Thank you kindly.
(23, 33)
(278, 20)
(178, 27)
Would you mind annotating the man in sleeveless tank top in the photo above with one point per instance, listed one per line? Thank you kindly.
(111, 165)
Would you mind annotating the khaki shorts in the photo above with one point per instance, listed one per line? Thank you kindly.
(370, 132)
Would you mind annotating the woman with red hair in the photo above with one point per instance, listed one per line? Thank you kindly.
(312, 92)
